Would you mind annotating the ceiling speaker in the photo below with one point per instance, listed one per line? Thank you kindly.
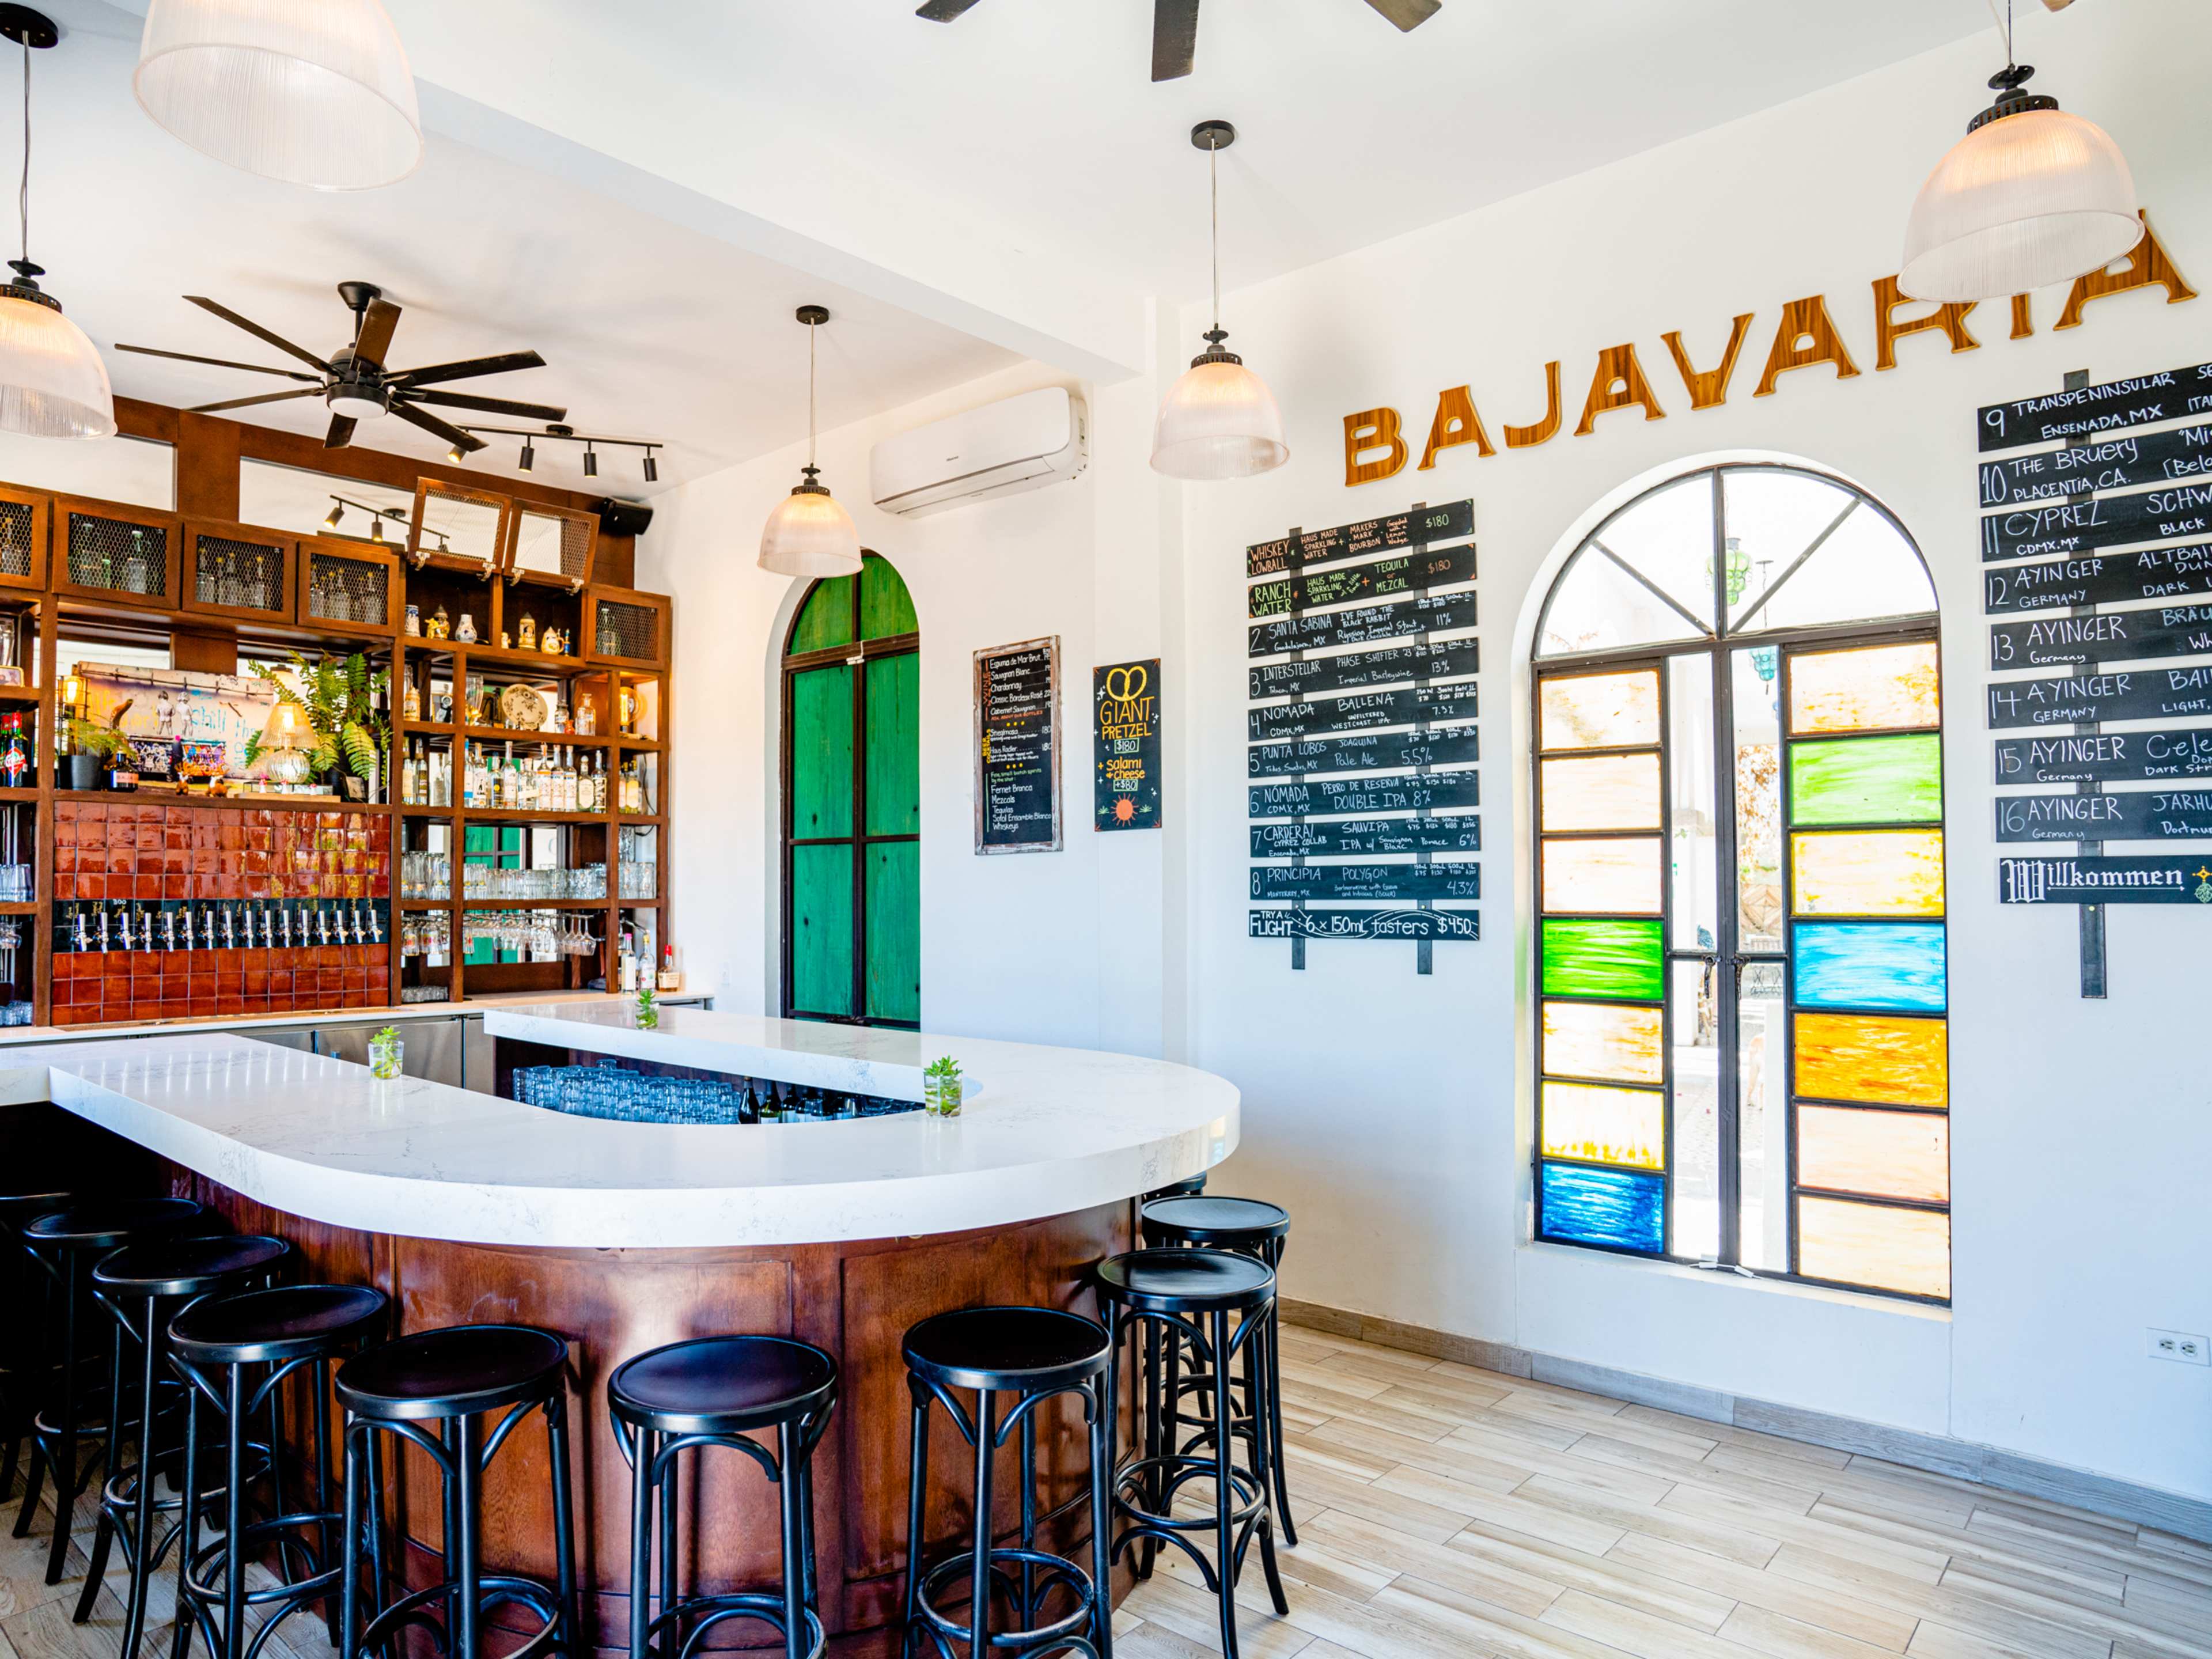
(623, 517)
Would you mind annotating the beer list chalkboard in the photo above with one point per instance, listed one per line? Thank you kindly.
(1017, 747)
(2050, 515)
(1346, 747)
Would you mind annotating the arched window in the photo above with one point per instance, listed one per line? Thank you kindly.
(852, 807)
(1740, 959)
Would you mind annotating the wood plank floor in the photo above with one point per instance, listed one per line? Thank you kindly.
(1443, 1510)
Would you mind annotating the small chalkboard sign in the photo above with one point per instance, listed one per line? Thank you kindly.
(2145, 815)
(2141, 694)
(1442, 523)
(1437, 611)
(2083, 526)
(1125, 743)
(1279, 721)
(2172, 630)
(1355, 669)
(2081, 412)
(1459, 832)
(2171, 878)
(1415, 573)
(1420, 926)
(1397, 791)
(2112, 464)
(2105, 756)
(1461, 879)
(2155, 573)
(1017, 747)
(1368, 750)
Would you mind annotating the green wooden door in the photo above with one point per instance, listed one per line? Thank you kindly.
(853, 806)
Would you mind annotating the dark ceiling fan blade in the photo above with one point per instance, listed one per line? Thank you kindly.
(943, 11)
(376, 326)
(432, 424)
(489, 405)
(341, 432)
(259, 332)
(219, 363)
(468, 369)
(1407, 14)
(266, 397)
(1175, 38)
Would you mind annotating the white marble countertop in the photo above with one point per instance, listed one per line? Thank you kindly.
(301, 1018)
(1056, 1130)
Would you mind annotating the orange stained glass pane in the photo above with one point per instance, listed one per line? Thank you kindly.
(1598, 711)
(1866, 872)
(1869, 688)
(1604, 1040)
(1880, 1247)
(1895, 1060)
(1626, 1126)
(1602, 792)
(1614, 876)
(1848, 1149)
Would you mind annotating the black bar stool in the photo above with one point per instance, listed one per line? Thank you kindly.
(235, 1353)
(67, 1242)
(1246, 1226)
(1190, 1294)
(1032, 1353)
(26, 1344)
(1182, 1189)
(143, 1285)
(709, 1392)
(453, 1378)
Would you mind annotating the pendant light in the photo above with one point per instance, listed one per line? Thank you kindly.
(809, 534)
(52, 383)
(316, 94)
(1218, 421)
(2031, 196)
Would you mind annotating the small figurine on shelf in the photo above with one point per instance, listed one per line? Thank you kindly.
(413, 704)
(505, 641)
(441, 626)
(466, 634)
(648, 1006)
(414, 621)
(525, 633)
(556, 643)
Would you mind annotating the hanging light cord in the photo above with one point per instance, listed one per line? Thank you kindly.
(23, 190)
(810, 467)
(1213, 184)
(2004, 26)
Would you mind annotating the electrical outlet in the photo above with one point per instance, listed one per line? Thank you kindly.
(2183, 1347)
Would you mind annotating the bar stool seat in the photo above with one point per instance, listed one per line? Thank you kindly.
(288, 1322)
(186, 1266)
(1027, 1349)
(721, 1384)
(457, 1371)
(109, 1223)
(1168, 1280)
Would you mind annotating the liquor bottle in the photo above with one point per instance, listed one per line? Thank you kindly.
(14, 757)
(410, 772)
(414, 703)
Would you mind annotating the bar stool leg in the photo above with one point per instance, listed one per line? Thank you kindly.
(318, 1384)
(64, 1460)
(979, 1610)
(671, 1588)
(234, 1512)
(794, 1574)
(469, 1644)
(917, 1490)
(141, 1549)
(1223, 1444)
(1259, 1376)
(564, 1541)
(348, 1563)
(34, 1476)
(640, 1542)
(1029, 1516)
(103, 1533)
(188, 1539)
(1101, 1521)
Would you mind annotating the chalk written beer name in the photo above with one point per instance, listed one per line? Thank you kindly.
(1454, 880)
(1444, 522)
(1372, 622)
(1459, 832)
(2156, 516)
(1357, 670)
(1369, 750)
(1279, 721)
(2105, 758)
(2140, 694)
(2115, 463)
(2173, 630)
(2150, 815)
(2161, 397)
(1395, 792)
(2155, 573)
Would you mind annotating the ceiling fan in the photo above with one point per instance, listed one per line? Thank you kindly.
(356, 385)
(1175, 26)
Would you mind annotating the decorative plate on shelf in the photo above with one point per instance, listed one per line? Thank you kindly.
(522, 708)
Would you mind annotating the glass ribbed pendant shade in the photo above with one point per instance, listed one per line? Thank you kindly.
(52, 384)
(309, 92)
(1218, 421)
(809, 534)
(2023, 200)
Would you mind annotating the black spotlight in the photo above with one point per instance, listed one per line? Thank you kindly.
(591, 461)
(652, 468)
(529, 457)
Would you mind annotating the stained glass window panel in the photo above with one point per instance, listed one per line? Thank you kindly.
(1762, 1122)
(1692, 815)
(1603, 1125)
(1869, 688)
(1894, 965)
(1887, 1058)
(1602, 792)
(1753, 688)
(1694, 1197)
(1886, 1247)
(1599, 711)
(1601, 958)
(1868, 873)
(1867, 779)
(1617, 1041)
(1604, 1207)
(1850, 1149)
(1609, 876)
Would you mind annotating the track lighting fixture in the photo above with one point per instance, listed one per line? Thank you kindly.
(652, 468)
(531, 437)
(528, 458)
(591, 461)
(337, 512)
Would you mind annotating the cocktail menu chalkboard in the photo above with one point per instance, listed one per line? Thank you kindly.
(1125, 742)
(1444, 522)
(1017, 747)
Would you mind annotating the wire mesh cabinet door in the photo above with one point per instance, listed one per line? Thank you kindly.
(623, 625)
(239, 570)
(25, 521)
(347, 588)
(116, 554)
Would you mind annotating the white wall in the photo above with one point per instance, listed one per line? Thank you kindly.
(1389, 1111)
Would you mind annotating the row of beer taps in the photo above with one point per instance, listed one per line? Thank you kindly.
(279, 927)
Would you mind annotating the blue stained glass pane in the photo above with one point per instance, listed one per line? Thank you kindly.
(1605, 1206)
(1870, 965)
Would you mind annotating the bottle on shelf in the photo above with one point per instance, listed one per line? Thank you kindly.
(413, 705)
(411, 773)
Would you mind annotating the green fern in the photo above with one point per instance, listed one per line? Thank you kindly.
(337, 699)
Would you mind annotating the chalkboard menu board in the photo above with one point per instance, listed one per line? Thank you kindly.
(2105, 756)
(2079, 411)
(1125, 745)
(1017, 747)
(1365, 754)
(2154, 573)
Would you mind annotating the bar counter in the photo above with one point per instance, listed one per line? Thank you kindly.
(621, 1236)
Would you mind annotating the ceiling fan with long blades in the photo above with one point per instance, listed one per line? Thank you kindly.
(355, 382)
(1175, 26)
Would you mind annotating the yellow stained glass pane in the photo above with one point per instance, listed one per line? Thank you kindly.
(1627, 1127)
(1846, 1149)
(1605, 1040)
(1602, 792)
(1892, 1058)
(1885, 1249)
(1866, 872)
(1871, 688)
(1612, 876)
(1598, 711)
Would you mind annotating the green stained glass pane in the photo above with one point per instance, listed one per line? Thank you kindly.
(822, 753)
(826, 618)
(894, 746)
(886, 608)
(1867, 779)
(895, 930)
(821, 930)
(1593, 958)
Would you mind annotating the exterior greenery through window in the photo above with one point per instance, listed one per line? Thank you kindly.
(851, 810)
(1741, 964)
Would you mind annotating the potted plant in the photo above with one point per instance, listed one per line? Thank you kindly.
(347, 736)
(941, 1087)
(102, 753)
(384, 1050)
(648, 1008)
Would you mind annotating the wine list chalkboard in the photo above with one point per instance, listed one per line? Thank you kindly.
(2155, 573)
(1418, 926)
(1444, 522)
(2114, 464)
(1438, 703)
(1125, 742)
(1415, 573)
(1356, 670)
(2167, 396)
(1017, 747)
(2144, 815)
(2105, 756)
(2169, 878)
(2172, 630)
(2141, 694)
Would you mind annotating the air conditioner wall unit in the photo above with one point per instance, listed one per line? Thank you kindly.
(1018, 443)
